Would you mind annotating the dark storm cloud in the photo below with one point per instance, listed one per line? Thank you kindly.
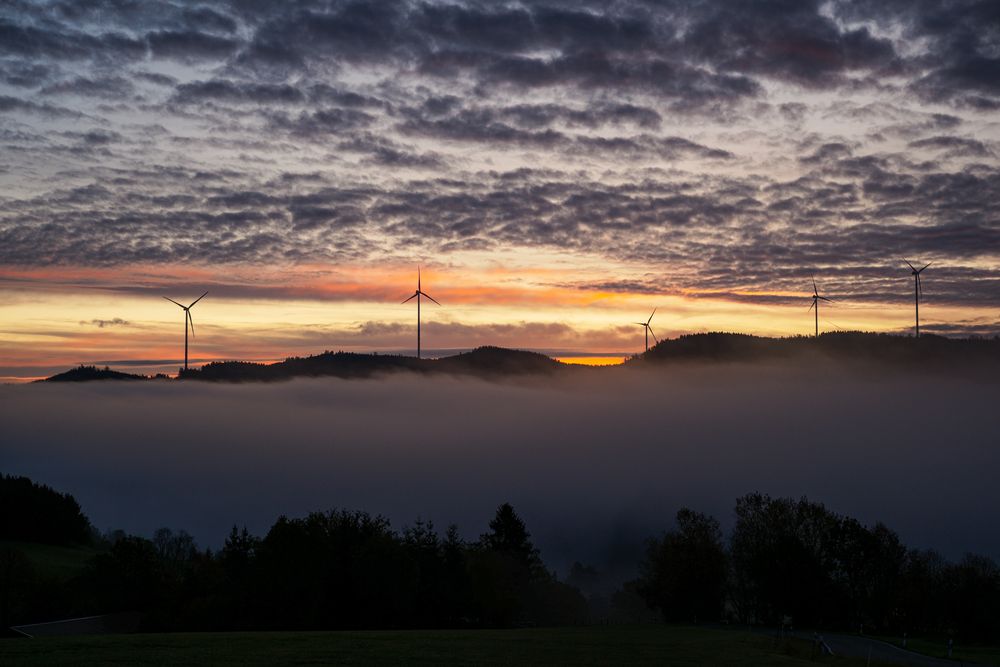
(237, 93)
(692, 54)
(189, 46)
(826, 153)
(544, 115)
(504, 127)
(320, 123)
(14, 104)
(115, 322)
(95, 137)
(22, 74)
(156, 78)
(207, 18)
(111, 87)
(790, 41)
(961, 62)
(954, 146)
(383, 152)
(64, 42)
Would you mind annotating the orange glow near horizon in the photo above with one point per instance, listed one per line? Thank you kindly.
(53, 319)
(592, 361)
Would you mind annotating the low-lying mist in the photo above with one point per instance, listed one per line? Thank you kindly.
(593, 462)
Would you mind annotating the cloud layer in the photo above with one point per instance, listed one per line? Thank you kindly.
(594, 467)
(744, 146)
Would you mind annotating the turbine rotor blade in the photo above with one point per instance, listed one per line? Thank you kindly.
(825, 299)
(811, 306)
(651, 316)
(815, 291)
(652, 334)
(925, 266)
(909, 265)
(174, 302)
(412, 297)
(430, 297)
(191, 320)
(198, 299)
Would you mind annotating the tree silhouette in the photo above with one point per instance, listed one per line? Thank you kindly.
(509, 536)
(684, 573)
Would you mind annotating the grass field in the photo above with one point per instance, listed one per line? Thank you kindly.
(601, 645)
(980, 655)
(53, 562)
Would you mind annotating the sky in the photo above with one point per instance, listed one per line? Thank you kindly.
(557, 169)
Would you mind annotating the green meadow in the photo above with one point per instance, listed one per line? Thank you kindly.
(597, 645)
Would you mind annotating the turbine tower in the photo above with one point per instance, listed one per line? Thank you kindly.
(918, 291)
(187, 319)
(416, 295)
(815, 304)
(649, 330)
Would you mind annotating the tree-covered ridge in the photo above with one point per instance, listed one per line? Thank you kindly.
(783, 561)
(842, 346)
(795, 561)
(926, 352)
(32, 512)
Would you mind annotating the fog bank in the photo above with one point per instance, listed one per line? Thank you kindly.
(593, 466)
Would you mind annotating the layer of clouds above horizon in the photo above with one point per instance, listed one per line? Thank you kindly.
(594, 466)
(720, 150)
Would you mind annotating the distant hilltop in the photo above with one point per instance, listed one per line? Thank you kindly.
(87, 373)
(844, 346)
(487, 361)
(494, 362)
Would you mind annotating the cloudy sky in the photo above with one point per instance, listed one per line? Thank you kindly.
(558, 169)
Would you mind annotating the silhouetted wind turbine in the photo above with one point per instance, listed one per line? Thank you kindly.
(649, 330)
(815, 304)
(416, 295)
(918, 291)
(187, 319)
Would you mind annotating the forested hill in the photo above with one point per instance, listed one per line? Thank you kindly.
(482, 362)
(876, 350)
(87, 373)
(857, 347)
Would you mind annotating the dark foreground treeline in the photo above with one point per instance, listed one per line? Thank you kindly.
(785, 561)
(328, 570)
(789, 561)
(32, 512)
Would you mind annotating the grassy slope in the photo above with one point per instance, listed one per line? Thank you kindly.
(625, 645)
(980, 655)
(53, 562)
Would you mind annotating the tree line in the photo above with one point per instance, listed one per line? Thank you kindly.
(339, 569)
(32, 512)
(794, 561)
(784, 561)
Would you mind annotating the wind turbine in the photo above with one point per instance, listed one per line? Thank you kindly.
(649, 330)
(187, 319)
(918, 291)
(416, 295)
(815, 304)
